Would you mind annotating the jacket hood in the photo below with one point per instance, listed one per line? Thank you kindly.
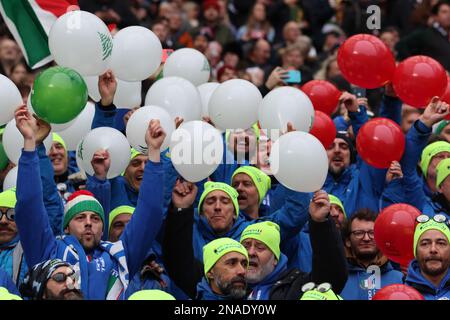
(10, 244)
(204, 292)
(209, 234)
(273, 277)
(416, 278)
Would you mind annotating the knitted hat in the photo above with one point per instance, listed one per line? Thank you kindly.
(5, 295)
(119, 210)
(135, 153)
(421, 228)
(441, 126)
(213, 186)
(81, 201)
(267, 232)
(151, 295)
(350, 145)
(317, 295)
(442, 171)
(8, 198)
(216, 249)
(430, 151)
(211, 4)
(255, 128)
(57, 138)
(259, 178)
(36, 279)
(335, 200)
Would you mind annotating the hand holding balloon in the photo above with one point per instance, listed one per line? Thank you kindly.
(320, 207)
(101, 163)
(436, 111)
(107, 86)
(27, 126)
(154, 137)
(44, 129)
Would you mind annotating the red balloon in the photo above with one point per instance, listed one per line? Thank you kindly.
(418, 79)
(398, 292)
(446, 96)
(323, 94)
(394, 232)
(379, 142)
(366, 61)
(323, 128)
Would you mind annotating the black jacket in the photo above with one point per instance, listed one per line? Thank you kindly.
(329, 263)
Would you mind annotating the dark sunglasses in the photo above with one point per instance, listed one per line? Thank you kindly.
(61, 277)
(10, 214)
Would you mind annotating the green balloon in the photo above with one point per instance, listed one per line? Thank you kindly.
(59, 95)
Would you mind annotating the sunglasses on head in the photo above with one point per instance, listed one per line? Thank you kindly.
(10, 214)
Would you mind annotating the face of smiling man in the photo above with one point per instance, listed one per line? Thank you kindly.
(338, 156)
(58, 157)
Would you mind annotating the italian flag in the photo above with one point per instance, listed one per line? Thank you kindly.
(29, 21)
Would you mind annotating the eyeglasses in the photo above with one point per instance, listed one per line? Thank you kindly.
(439, 218)
(10, 214)
(322, 288)
(61, 277)
(360, 234)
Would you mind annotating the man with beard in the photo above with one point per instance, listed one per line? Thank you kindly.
(52, 280)
(225, 264)
(364, 258)
(105, 268)
(429, 272)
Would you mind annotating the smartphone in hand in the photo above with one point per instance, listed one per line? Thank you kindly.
(294, 76)
(359, 92)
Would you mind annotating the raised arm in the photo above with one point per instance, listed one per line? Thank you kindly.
(105, 110)
(391, 105)
(36, 235)
(147, 219)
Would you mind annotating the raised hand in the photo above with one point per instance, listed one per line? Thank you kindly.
(183, 194)
(178, 122)
(27, 125)
(349, 101)
(154, 137)
(394, 172)
(277, 78)
(107, 86)
(320, 207)
(101, 163)
(44, 129)
(436, 111)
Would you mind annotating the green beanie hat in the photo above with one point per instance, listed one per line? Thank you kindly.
(135, 153)
(119, 210)
(267, 232)
(57, 138)
(216, 249)
(255, 128)
(317, 295)
(441, 126)
(213, 186)
(259, 178)
(5, 295)
(335, 200)
(81, 201)
(151, 295)
(8, 198)
(442, 171)
(421, 228)
(430, 151)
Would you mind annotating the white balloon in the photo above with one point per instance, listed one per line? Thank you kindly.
(108, 139)
(81, 41)
(138, 124)
(10, 179)
(128, 94)
(137, 53)
(299, 161)
(10, 99)
(92, 85)
(189, 64)
(206, 90)
(283, 105)
(196, 150)
(178, 96)
(80, 127)
(13, 142)
(234, 104)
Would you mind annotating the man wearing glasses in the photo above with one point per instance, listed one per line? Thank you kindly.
(369, 270)
(429, 272)
(52, 280)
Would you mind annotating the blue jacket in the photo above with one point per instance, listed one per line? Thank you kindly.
(291, 218)
(360, 284)
(415, 279)
(6, 282)
(439, 205)
(300, 254)
(204, 292)
(261, 290)
(12, 260)
(106, 271)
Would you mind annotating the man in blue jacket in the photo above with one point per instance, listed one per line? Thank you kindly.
(441, 202)
(105, 268)
(429, 272)
(369, 269)
(6, 283)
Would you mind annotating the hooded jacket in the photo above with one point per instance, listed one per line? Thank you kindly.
(415, 279)
(362, 283)
(6, 282)
(105, 272)
(204, 292)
